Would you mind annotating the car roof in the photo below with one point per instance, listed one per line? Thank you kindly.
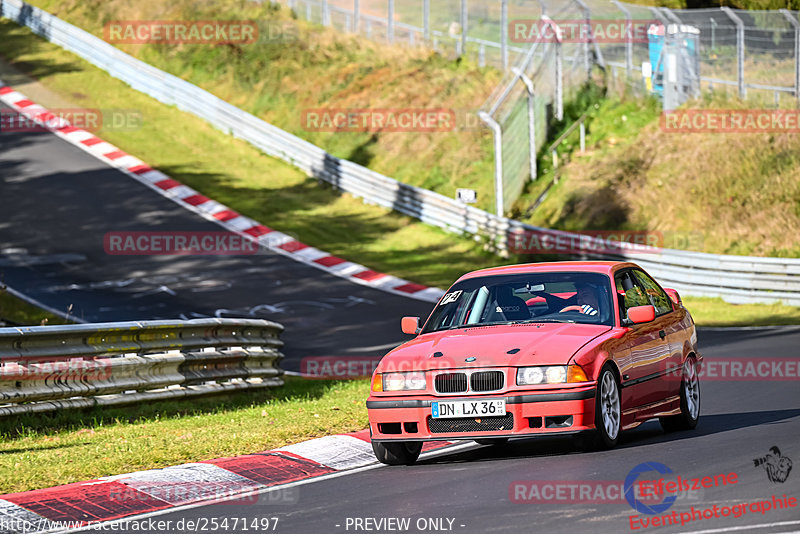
(604, 267)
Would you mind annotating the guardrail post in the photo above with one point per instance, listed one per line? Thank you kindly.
(308, 11)
(504, 33)
(628, 38)
(531, 122)
(482, 55)
(796, 25)
(583, 136)
(426, 19)
(464, 23)
(356, 15)
(390, 23)
(498, 160)
(326, 13)
(739, 49)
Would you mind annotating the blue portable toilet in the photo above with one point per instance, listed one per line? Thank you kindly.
(682, 42)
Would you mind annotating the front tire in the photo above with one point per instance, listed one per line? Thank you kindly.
(607, 414)
(397, 453)
(690, 401)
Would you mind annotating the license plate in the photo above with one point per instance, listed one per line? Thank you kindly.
(469, 408)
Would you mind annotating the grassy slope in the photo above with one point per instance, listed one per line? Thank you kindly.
(721, 193)
(311, 68)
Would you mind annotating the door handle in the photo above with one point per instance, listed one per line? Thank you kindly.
(662, 334)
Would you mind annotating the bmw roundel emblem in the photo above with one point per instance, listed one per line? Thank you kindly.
(470, 359)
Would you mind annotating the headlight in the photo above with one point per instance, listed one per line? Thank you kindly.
(404, 381)
(552, 374)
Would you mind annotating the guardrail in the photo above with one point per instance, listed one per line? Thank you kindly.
(45, 368)
(737, 279)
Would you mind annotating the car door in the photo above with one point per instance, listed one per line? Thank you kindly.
(646, 347)
(670, 321)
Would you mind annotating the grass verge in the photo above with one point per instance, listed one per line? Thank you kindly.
(17, 311)
(50, 449)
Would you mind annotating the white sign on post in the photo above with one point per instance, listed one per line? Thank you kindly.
(467, 196)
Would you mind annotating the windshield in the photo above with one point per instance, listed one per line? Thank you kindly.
(532, 297)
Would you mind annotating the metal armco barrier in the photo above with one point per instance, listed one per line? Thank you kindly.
(45, 368)
(737, 279)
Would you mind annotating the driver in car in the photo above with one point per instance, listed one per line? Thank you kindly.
(587, 300)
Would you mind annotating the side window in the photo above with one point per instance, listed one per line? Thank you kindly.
(655, 294)
(629, 293)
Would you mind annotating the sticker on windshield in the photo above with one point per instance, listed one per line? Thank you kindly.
(450, 297)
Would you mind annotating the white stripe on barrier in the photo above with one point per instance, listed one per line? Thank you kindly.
(15, 519)
(183, 484)
(337, 452)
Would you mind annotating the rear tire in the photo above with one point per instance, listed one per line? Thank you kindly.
(491, 441)
(690, 401)
(397, 453)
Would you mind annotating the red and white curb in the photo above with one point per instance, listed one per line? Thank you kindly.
(210, 209)
(238, 480)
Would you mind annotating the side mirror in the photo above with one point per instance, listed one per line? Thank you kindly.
(641, 314)
(674, 296)
(410, 325)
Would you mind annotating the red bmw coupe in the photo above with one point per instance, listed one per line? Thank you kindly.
(586, 348)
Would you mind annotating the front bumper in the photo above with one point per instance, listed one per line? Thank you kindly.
(528, 413)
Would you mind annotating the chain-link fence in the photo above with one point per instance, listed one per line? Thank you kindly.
(548, 48)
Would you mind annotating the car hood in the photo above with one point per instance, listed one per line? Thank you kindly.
(538, 344)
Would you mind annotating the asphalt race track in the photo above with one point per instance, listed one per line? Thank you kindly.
(739, 422)
(59, 202)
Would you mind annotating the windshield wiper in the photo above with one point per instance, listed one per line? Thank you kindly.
(526, 321)
(498, 323)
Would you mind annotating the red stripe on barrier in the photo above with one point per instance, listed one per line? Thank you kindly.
(87, 502)
(92, 141)
(45, 116)
(225, 215)
(24, 103)
(68, 129)
(410, 288)
(329, 261)
(140, 169)
(293, 246)
(169, 183)
(115, 155)
(369, 275)
(5, 90)
(272, 469)
(196, 200)
(258, 230)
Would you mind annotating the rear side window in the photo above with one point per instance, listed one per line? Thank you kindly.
(656, 296)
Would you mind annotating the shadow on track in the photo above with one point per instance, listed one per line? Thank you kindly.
(647, 434)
